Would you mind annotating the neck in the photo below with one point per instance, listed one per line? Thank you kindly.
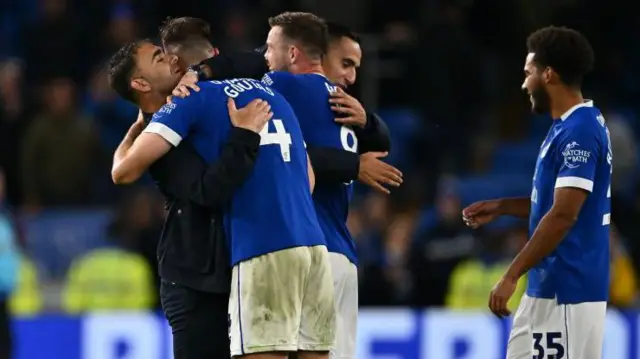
(152, 103)
(564, 100)
(308, 68)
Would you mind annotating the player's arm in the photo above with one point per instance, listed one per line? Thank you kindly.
(333, 165)
(136, 153)
(167, 128)
(517, 207)
(312, 176)
(212, 185)
(573, 184)
(375, 136)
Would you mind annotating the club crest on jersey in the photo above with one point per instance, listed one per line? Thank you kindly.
(574, 156)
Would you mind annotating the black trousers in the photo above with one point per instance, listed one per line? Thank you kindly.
(6, 343)
(199, 322)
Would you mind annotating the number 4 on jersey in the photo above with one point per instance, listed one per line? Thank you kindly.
(281, 137)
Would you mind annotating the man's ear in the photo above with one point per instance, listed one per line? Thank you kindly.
(294, 53)
(141, 85)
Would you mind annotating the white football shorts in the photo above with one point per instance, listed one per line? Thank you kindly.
(345, 286)
(282, 301)
(542, 328)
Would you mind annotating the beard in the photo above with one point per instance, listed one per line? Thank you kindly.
(541, 101)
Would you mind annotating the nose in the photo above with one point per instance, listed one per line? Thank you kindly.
(351, 77)
(173, 59)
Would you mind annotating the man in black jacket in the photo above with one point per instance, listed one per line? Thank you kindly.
(192, 254)
(188, 38)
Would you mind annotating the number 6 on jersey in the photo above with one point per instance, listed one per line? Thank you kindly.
(281, 137)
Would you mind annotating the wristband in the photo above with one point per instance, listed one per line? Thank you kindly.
(198, 71)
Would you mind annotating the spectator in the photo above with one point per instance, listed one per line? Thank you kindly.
(138, 224)
(115, 277)
(472, 280)
(440, 248)
(60, 151)
(623, 292)
(12, 125)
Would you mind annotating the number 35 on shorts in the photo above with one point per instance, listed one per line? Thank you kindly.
(548, 345)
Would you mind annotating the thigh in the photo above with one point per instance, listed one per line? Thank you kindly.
(266, 301)
(198, 322)
(318, 324)
(585, 329)
(520, 338)
(345, 285)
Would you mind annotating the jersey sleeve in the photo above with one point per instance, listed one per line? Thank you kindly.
(278, 80)
(174, 120)
(578, 155)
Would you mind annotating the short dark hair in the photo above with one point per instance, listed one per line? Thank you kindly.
(565, 50)
(121, 67)
(306, 28)
(182, 29)
(337, 31)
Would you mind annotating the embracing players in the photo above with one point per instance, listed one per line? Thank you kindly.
(282, 291)
(563, 312)
(300, 48)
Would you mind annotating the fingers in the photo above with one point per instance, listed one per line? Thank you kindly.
(470, 222)
(182, 91)
(231, 105)
(375, 185)
(169, 99)
(340, 100)
(498, 305)
(389, 175)
(344, 110)
(350, 121)
(472, 209)
(379, 154)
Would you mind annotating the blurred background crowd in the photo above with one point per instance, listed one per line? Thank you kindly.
(444, 74)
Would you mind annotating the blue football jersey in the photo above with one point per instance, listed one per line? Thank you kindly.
(576, 153)
(308, 95)
(273, 210)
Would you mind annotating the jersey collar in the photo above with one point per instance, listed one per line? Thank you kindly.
(586, 103)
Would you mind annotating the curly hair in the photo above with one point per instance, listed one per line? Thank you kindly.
(565, 50)
(121, 68)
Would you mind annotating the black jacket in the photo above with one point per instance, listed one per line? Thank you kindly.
(192, 250)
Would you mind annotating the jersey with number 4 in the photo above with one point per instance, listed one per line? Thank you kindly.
(576, 153)
(308, 95)
(273, 210)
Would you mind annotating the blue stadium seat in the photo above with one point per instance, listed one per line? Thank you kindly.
(477, 188)
(56, 237)
(515, 158)
(405, 125)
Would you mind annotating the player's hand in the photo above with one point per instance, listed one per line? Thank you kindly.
(375, 173)
(188, 81)
(500, 295)
(252, 117)
(136, 129)
(480, 213)
(343, 103)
